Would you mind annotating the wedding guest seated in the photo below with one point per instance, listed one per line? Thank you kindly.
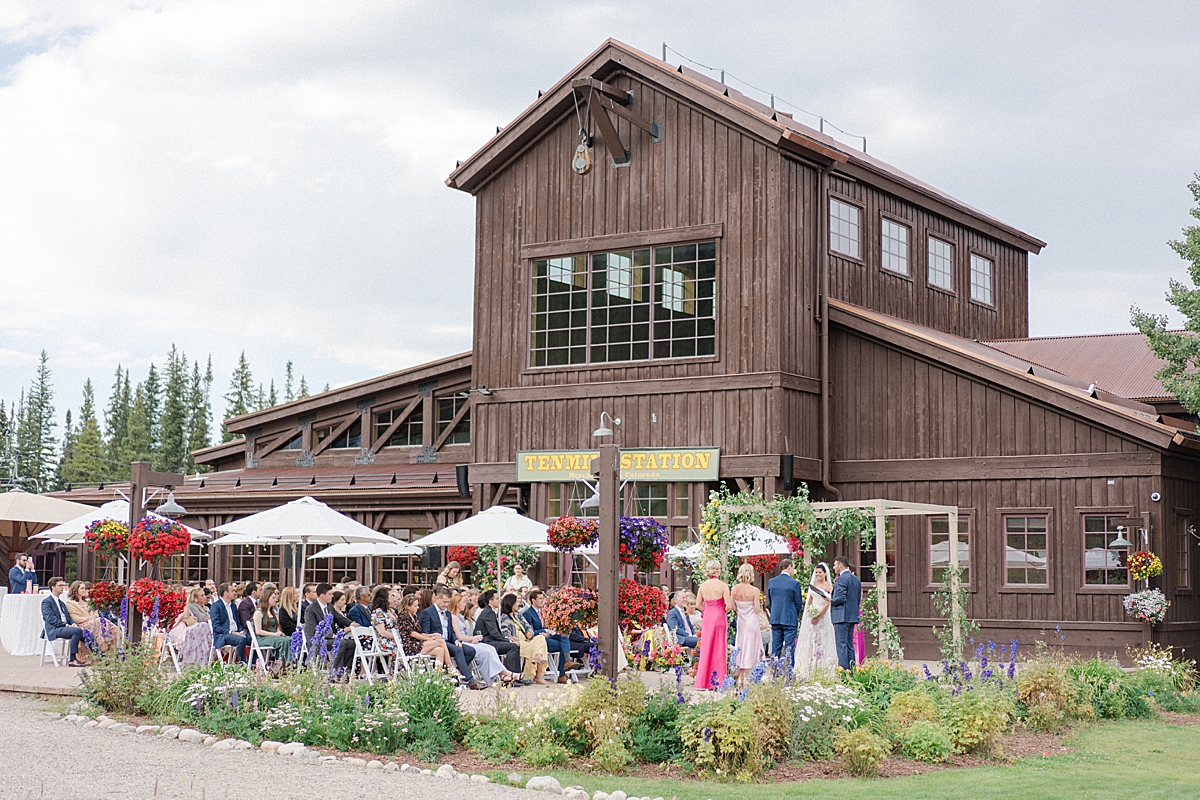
(103, 632)
(451, 575)
(193, 639)
(435, 619)
(581, 643)
(414, 642)
(289, 613)
(555, 642)
(680, 624)
(266, 625)
(360, 612)
(518, 580)
(693, 613)
(308, 593)
(533, 647)
(226, 624)
(487, 625)
(249, 603)
(487, 663)
(424, 599)
(56, 620)
(317, 610)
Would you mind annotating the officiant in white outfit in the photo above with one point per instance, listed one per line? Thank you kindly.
(816, 647)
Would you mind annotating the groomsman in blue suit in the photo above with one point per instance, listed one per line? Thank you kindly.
(847, 593)
(57, 620)
(786, 599)
(679, 624)
(226, 624)
(20, 575)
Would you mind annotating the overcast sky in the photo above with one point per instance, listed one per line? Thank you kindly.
(268, 176)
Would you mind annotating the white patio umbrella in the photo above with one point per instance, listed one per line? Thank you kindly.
(368, 549)
(23, 514)
(298, 522)
(72, 531)
(756, 541)
(497, 526)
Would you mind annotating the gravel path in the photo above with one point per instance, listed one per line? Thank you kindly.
(44, 757)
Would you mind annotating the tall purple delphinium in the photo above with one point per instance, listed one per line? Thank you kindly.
(1012, 660)
(928, 674)
(297, 645)
(124, 613)
(152, 622)
(712, 680)
(733, 654)
(758, 671)
(728, 683)
(596, 658)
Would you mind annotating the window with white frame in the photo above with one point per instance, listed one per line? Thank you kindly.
(981, 279)
(844, 229)
(894, 241)
(941, 264)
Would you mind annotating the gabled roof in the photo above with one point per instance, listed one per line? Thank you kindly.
(1065, 393)
(1120, 363)
(735, 108)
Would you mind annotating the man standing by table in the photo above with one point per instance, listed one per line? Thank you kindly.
(20, 575)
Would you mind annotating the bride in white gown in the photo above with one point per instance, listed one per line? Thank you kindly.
(816, 651)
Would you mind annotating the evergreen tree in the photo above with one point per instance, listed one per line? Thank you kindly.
(138, 444)
(240, 398)
(85, 462)
(64, 458)
(260, 400)
(272, 398)
(153, 397)
(200, 411)
(175, 435)
(303, 388)
(35, 431)
(6, 446)
(116, 425)
(288, 394)
(326, 389)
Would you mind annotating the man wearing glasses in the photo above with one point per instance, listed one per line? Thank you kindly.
(57, 620)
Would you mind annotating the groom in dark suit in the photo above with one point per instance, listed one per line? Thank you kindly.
(786, 599)
(847, 592)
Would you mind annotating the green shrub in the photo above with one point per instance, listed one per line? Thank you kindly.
(127, 679)
(429, 695)
(721, 738)
(876, 681)
(1179, 674)
(1180, 702)
(976, 718)
(861, 751)
(1044, 693)
(493, 738)
(653, 735)
(604, 711)
(926, 741)
(1111, 693)
(771, 705)
(1045, 718)
(818, 714)
(428, 739)
(547, 754)
(910, 706)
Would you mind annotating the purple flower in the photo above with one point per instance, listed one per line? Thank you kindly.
(596, 658)
(712, 680)
(125, 613)
(297, 644)
(757, 672)
(728, 683)
(233, 698)
(90, 641)
(153, 621)
(646, 648)
(742, 695)
(679, 698)
(733, 654)
(928, 674)
(707, 734)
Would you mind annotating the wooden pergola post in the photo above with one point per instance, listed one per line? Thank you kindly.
(881, 581)
(608, 584)
(955, 610)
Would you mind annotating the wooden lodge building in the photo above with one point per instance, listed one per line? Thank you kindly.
(717, 275)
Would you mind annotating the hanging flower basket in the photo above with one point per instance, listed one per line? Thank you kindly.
(569, 533)
(171, 600)
(643, 543)
(106, 595)
(106, 538)
(1149, 606)
(569, 606)
(525, 555)
(152, 539)
(640, 606)
(764, 564)
(465, 556)
(1144, 565)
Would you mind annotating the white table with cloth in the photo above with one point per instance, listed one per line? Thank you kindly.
(21, 624)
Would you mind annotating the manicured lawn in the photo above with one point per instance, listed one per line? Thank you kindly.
(1119, 760)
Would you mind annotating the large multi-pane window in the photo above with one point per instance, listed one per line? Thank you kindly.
(845, 231)
(941, 264)
(331, 570)
(190, 567)
(981, 279)
(407, 433)
(258, 563)
(939, 548)
(1103, 565)
(630, 305)
(894, 245)
(351, 437)
(296, 442)
(867, 555)
(447, 408)
(639, 499)
(1025, 553)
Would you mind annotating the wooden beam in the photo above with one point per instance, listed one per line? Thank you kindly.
(622, 241)
(582, 85)
(501, 489)
(1066, 465)
(276, 443)
(631, 117)
(396, 423)
(656, 386)
(338, 431)
(462, 412)
(608, 132)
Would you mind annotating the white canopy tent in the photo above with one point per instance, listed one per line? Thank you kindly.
(498, 525)
(299, 522)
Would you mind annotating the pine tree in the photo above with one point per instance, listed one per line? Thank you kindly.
(116, 425)
(65, 456)
(288, 394)
(303, 388)
(138, 444)
(153, 397)
(200, 410)
(85, 463)
(326, 389)
(35, 431)
(260, 399)
(240, 398)
(6, 445)
(175, 435)
(272, 398)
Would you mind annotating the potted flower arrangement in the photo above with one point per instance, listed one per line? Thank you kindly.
(643, 543)
(106, 537)
(1149, 606)
(568, 533)
(145, 593)
(568, 606)
(764, 564)
(107, 595)
(524, 555)
(1144, 565)
(154, 538)
(640, 606)
(465, 556)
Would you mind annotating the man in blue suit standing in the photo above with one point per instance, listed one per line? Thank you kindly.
(786, 599)
(435, 619)
(20, 575)
(847, 593)
(679, 624)
(226, 624)
(57, 620)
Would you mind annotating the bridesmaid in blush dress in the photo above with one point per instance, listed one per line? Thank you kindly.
(715, 600)
(749, 641)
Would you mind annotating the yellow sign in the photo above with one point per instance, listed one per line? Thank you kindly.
(660, 464)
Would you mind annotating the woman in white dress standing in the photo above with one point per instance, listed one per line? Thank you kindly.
(816, 649)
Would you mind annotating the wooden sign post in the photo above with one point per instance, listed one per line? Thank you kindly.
(608, 587)
(140, 479)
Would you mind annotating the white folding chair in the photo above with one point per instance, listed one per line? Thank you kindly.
(255, 649)
(554, 661)
(52, 645)
(405, 660)
(368, 653)
(168, 651)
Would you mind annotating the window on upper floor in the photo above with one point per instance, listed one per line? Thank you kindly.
(408, 433)
(447, 409)
(295, 444)
(629, 305)
(894, 246)
(352, 437)
(941, 264)
(981, 279)
(845, 232)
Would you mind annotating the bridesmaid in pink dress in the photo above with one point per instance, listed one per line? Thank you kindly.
(715, 600)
